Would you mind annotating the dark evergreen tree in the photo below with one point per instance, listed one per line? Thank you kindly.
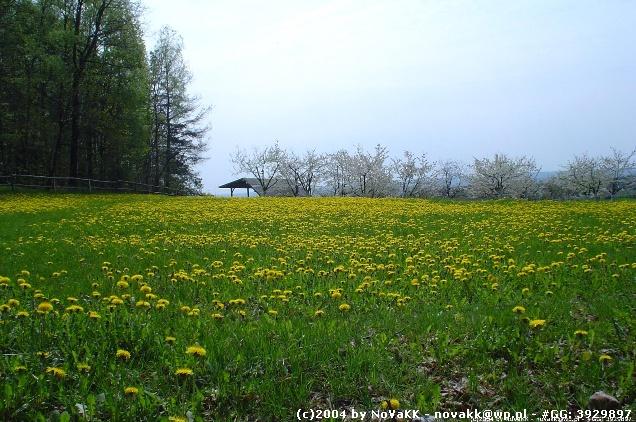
(176, 143)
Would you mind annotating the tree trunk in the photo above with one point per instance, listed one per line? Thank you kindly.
(60, 133)
(168, 130)
(75, 116)
(155, 142)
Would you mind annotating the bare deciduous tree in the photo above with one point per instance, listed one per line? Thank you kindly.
(302, 173)
(616, 167)
(412, 173)
(262, 163)
(502, 177)
(450, 178)
(584, 176)
(335, 172)
(368, 173)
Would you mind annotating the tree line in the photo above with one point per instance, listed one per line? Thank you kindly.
(376, 174)
(80, 96)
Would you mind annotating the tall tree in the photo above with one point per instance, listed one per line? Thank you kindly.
(262, 163)
(369, 174)
(450, 178)
(618, 168)
(301, 173)
(412, 173)
(88, 19)
(335, 172)
(502, 177)
(177, 140)
(584, 176)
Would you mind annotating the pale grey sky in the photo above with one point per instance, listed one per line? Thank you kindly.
(455, 79)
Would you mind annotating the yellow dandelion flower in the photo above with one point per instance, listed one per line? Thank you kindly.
(58, 373)
(319, 313)
(605, 358)
(142, 304)
(45, 307)
(22, 314)
(74, 309)
(580, 333)
(183, 372)
(392, 404)
(131, 391)
(94, 315)
(83, 367)
(344, 307)
(536, 323)
(170, 339)
(197, 351)
(518, 309)
(123, 354)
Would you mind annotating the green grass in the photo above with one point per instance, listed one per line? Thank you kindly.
(448, 341)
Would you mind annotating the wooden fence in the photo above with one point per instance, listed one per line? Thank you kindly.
(79, 184)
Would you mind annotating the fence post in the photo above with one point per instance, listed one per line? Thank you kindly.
(13, 183)
(90, 186)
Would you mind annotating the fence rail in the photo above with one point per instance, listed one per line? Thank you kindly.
(80, 184)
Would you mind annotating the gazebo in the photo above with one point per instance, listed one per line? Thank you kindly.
(278, 187)
(238, 184)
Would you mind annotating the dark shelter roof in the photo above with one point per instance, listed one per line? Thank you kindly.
(238, 183)
(278, 187)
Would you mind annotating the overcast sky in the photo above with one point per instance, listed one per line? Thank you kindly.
(454, 79)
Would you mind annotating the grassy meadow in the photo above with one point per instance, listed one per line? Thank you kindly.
(123, 307)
